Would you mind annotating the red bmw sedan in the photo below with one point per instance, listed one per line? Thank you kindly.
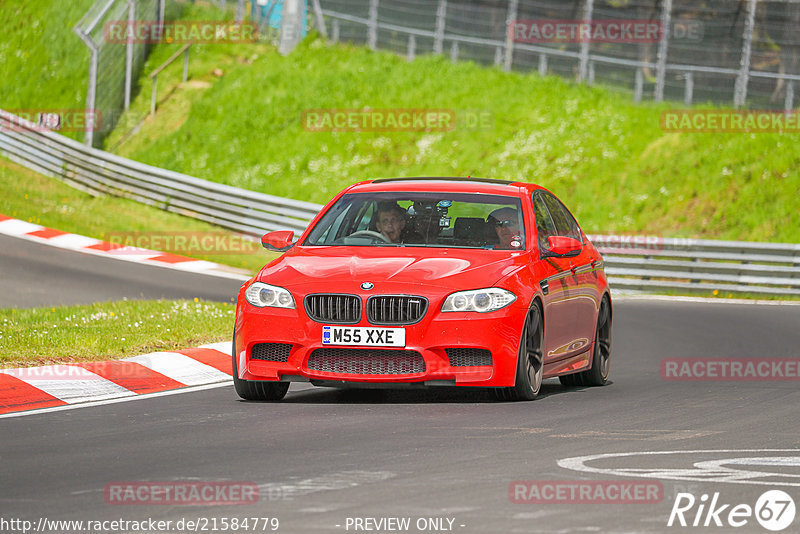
(427, 282)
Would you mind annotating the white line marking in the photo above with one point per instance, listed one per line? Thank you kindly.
(70, 384)
(218, 271)
(707, 471)
(195, 265)
(114, 401)
(16, 227)
(181, 368)
(223, 347)
(72, 241)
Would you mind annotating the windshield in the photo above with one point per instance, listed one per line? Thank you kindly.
(451, 220)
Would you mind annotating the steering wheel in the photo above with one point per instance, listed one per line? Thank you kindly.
(370, 233)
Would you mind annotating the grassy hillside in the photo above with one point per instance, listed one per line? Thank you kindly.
(606, 156)
(43, 63)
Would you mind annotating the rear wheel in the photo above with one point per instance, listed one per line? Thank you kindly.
(530, 361)
(601, 356)
(257, 390)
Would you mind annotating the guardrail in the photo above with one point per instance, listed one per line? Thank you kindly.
(632, 262)
(95, 171)
(654, 264)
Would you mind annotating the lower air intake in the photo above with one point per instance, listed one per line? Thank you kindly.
(367, 361)
(271, 352)
(464, 357)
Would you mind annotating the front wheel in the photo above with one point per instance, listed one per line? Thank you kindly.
(530, 361)
(601, 356)
(257, 390)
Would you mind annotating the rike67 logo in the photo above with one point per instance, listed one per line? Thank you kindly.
(774, 510)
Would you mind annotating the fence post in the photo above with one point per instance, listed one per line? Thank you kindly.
(638, 88)
(240, 11)
(688, 91)
(153, 96)
(335, 30)
(372, 31)
(412, 47)
(584, 57)
(590, 74)
(510, 18)
(91, 91)
(441, 19)
(292, 23)
(789, 104)
(161, 8)
(319, 18)
(663, 49)
(542, 64)
(498, 56)
(454, 51)
(740, 92)
(129, 53)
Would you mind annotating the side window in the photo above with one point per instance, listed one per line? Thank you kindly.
(564, 221)
(544, 222)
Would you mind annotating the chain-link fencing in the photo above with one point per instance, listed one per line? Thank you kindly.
(744, 52)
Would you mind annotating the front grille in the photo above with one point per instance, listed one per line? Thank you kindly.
(367, 361)
(271, 352)
(464, 357)
(337, 309)
(396, 309)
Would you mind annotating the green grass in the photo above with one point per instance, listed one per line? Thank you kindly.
(43, 63)
(109, 330)
(32, 197)
(604, 155)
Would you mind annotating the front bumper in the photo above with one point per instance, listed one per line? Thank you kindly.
(498, 332)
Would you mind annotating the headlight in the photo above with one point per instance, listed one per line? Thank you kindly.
(478, 300)
(261, 295)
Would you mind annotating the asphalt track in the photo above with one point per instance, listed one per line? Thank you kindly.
(34, 274)
(323, 456)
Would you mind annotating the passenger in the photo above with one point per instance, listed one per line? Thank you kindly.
(505, 222)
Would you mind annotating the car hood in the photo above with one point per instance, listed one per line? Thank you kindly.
(458, 268)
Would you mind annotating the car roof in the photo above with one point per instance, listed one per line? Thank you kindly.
(453, 184)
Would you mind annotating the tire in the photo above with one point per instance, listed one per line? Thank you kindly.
(256, 390)
(601, 355)
(530, 361)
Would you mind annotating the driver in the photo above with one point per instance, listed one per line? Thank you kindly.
(391, 221)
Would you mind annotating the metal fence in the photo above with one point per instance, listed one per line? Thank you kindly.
(647, 264)
(741, 51)
(113, 68)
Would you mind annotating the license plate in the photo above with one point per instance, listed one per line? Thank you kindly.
(363, 335)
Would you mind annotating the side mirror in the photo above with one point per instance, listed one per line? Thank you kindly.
(563, 246)
(279, 241)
